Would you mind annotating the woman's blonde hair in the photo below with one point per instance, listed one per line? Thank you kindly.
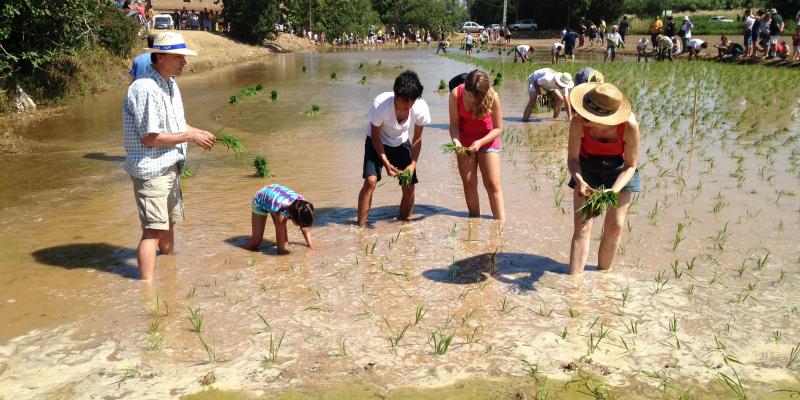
(478, 83)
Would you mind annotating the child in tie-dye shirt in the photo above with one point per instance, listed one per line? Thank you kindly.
(282, 204)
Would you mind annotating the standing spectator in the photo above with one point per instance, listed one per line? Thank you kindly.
(669, 27)
(184, 18)
(655, 30)
(194, 21)
(613, 40)
(592, 28)
(468, 41)
(581, 34)
(623, 27)
(212, 15)
(155, 136)
(756, 31)
(747, 29)
(685, 33)
(176, 19)
(569, 45)
(151, 18)
(508, 35)
(775, 29)
(601, 29)
(796, 44)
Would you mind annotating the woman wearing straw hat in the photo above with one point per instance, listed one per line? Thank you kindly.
(546, 81)
(603, 152)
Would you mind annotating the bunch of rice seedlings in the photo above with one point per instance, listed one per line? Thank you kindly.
(361, 66)
(249, 91)
(405, 177)
(186, 172)
(273, 96)
(498, 79)
(442, 85)
(259, 87)
(304, 69)
(233, 99)
(598, 203)
(452, 148)
(262, 167)
(363, 80)
(380, 62)
(333, 76)
(232, 143)
(312, 111)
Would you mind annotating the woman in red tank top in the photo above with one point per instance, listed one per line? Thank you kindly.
(603, 152)
(476, 121)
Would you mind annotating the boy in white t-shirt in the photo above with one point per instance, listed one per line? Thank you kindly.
(391, 118)
(641, 49)
(522, 51)
(556, 51)
(694, 46)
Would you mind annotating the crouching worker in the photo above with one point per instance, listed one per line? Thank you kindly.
(284, 205)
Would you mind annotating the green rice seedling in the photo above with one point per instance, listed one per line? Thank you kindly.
(505, 306)
(452, 148)
(379, 62)
(273, 95)
(419, 314)
(396, 337)
(544, 313)
(690, 290)
(156, 343)
(733, 383)
(632, 326)
(781, 276)
(776, 336)
(361, 66)
(262, 168)
(602, 332)
(259, 87)
(689, 264)
(249, 91)
(232, 143)
(673, 323)
(274, 347)
(442, 85)
(333, 76)
(719, 204)
(363, 80)
(406, 177)
(533, 368)
(472, 337)
(196, 318)
(192, 292)
(794, 356)
(160, 308)
(679, 236)
(212, 355)
(267, 326)
(761, 262)
(563, 334)
(498, 79)
(153, 327)
(233, 99)
(742, 268)
(186, 172)
(571, 311)
(676, 270)
(440, 342)
(597, 204)
(314, 110)
(342, 348)
(304, 69)
(626, 296)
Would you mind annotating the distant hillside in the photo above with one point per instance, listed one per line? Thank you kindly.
(171, 5)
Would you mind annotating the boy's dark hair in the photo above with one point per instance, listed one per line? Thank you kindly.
(407, 86)
(302, 212)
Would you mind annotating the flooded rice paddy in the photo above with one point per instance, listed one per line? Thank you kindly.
(703, 301)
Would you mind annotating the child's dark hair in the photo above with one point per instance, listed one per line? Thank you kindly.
(407, 86)
(302, 212)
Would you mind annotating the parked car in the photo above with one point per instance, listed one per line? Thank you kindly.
(720, 18)
(495, 27)
(472, 27)
(523, 25)
(164, 21)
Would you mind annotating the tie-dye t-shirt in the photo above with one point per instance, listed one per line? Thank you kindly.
(274, 198)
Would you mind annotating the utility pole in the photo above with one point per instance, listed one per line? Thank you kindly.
(505, 11)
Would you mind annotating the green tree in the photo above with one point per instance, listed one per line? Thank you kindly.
(252, 21)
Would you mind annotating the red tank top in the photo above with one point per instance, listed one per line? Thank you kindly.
(470, 128)
(592, 147)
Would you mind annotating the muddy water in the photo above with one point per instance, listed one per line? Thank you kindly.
(347, 310)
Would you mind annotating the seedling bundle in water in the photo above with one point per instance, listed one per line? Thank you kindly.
(442, 85)
(598, 203)
(262, 167)
(405, 177)
(273, 96)
(333, 76)
(312, 111)
(232, 143)
(363, 80)
(452, 148)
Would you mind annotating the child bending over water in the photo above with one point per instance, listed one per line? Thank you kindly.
(283, 204)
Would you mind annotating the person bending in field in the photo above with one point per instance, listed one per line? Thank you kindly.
(547, 82)
(602, 152)
(694, 46)
(284, 205)
(522, 52)
(392, 117)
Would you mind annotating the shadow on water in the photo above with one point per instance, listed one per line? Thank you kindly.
(100, 256)
(104, 157)
(325, 216)
(522, 270)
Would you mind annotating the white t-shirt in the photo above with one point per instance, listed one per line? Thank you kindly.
(748, 22)
(470, 39)
(557, 47)
(546, 79)
(395, 133)
(523, 49)
(695, 44)
(642, 44)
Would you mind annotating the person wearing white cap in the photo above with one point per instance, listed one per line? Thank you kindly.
(546, 81)
(155, 134)
(602, 154)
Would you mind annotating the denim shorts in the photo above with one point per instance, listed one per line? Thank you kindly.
(748, 37)
(491, 150)
(603, 171)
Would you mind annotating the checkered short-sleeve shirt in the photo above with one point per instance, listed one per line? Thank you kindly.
(152, 105)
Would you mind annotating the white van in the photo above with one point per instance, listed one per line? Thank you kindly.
(164, 21)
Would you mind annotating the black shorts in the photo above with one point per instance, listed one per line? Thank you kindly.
(468, 47)
(568, 50)
(399, 156)
(603, 171)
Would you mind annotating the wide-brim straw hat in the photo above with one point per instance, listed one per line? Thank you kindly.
(564, 79)
(170, 43)
(602, 103)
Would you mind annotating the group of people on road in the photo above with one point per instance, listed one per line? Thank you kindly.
(602, 151)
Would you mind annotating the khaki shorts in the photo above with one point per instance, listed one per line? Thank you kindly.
(159, 200)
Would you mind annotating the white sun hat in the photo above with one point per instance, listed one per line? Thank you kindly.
(170, 43)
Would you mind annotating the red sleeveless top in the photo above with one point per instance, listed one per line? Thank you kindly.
(470, 128)
(591, 147)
